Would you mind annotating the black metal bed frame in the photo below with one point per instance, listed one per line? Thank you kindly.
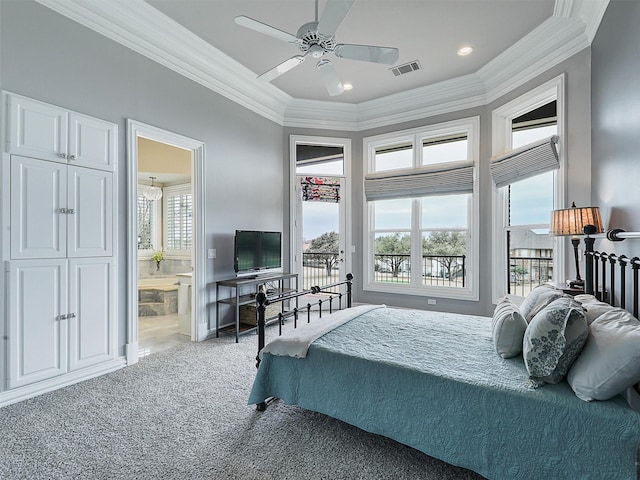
(262, 300)
(601, 281)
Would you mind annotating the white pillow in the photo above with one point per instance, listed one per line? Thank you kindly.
(610, 361)
(507, 327)
(592, 306)
(584, 298)
(553, 340)
(538, 298)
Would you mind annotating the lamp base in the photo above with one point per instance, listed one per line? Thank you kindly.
(578, 283)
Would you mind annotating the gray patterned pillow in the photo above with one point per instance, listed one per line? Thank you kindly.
(553, 340)
(538, 298)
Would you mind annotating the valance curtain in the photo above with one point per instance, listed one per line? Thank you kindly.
(524, 162)
(420, 182)
(320, 189)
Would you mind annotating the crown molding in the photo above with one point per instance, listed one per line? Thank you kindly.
(145, 30)
(591, 14)
(452, 95)
(554, 41)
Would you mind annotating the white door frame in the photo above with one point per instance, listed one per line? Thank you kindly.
(136, 130)
(345, 143)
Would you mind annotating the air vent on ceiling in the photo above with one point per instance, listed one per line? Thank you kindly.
(406, 68)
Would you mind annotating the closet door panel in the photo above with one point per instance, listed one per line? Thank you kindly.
(37, 129)
(92, 142)
(91, 334)
(37, 324)
(38, 197)
(90, 197)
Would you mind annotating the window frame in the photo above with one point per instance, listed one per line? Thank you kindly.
(501, 122)
(469, 126)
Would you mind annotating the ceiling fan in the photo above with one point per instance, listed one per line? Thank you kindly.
(316, 39)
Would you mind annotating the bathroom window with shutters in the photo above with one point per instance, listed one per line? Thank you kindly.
(178, 211)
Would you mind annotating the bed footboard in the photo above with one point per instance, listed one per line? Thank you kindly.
(262, 300)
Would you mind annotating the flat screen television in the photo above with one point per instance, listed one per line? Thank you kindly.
(256, 251)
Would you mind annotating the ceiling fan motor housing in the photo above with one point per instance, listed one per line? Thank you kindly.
(313, 41)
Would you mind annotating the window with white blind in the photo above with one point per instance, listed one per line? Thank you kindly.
(420, 195)
(528, 175)
(147, 225)
(178, 220)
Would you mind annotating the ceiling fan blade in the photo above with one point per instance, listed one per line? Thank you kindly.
(368, 53)
(330, 78)
(332, 16)
(265, 29)
(284, 67)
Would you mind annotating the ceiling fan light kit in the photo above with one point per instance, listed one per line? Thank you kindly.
(316, 39)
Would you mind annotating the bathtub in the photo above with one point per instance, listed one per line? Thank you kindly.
(157, 295)
(157, 280)
(166, 295)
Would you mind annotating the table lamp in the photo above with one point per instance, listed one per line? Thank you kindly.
(570, 221)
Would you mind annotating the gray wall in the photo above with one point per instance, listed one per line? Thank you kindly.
(50, 58)
(615, 134)
(577, 75)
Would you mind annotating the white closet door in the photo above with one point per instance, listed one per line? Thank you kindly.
(91, 334)
(37, 129)
(92, 142)
(38, 195)
(37, 330)
(90, 198)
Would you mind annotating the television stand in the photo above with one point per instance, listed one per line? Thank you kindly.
(243, 292)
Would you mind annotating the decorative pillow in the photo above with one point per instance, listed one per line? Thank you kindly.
(594, 310)
(583, 298)
(610, 361)
(553, 340)
(538, 298)
(508, 326)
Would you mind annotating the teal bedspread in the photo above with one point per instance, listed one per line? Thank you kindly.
(433, 381)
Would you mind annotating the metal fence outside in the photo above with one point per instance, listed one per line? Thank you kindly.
(526, 273)
(438, 270)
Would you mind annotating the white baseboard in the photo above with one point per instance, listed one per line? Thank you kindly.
(28, 391)
(132, 353)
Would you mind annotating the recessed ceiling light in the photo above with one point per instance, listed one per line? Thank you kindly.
(347, 86)
(466, 50)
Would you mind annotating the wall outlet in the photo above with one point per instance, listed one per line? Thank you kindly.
(211, 253)
(431, 301)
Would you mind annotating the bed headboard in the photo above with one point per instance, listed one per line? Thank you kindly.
(608, 276)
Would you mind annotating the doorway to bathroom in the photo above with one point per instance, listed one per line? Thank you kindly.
(164, 245)
(165, 229)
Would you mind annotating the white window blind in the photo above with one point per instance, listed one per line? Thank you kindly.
(525, 162)
(179, 221)
(420, 182)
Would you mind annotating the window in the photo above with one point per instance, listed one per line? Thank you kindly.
(524, 253)
(147, 224)
(421, 211)
(529, 203)
(178, 212)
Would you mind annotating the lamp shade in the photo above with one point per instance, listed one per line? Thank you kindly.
(570, 221)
